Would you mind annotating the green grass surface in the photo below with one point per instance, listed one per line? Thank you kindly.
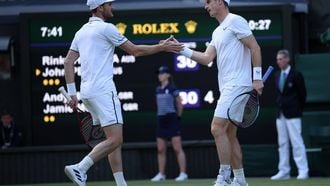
(207, 182)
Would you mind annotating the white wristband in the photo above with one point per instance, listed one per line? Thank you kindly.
(187, 52)
(257, 73)
(71, 89)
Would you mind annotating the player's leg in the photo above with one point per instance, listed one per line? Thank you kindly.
(236, 157)
(298, 147)
(109, 115)
(223, 131)
(283, 150)
(108, 110)
(181, 158)
(114, 140)
(219, 129)
(161, 158)
(77, 172)
(115, 160)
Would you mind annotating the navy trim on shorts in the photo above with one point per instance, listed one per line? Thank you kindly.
(114, 107)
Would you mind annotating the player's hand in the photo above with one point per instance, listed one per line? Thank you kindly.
(74, 102)
(258, 85)
(171, 45)
(173, 39)
(168, 39)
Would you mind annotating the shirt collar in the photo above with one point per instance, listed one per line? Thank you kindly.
(287, 70)
(95, 19)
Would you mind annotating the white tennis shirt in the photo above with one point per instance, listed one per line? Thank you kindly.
(95, 42)
(233, 58)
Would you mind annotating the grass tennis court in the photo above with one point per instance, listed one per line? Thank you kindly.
(207, 182)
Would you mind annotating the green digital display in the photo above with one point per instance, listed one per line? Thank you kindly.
(49, 37)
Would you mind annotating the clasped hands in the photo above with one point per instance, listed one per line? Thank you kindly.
(171, 45)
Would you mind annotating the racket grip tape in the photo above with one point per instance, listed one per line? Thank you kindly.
(64, 93)
(267, 73)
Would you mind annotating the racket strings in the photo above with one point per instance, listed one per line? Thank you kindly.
(251, 111)
(92, 134)
(86, 127)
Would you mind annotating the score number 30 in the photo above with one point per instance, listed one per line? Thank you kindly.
(190, 98)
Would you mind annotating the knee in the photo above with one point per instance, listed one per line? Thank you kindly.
(218, 130)
(161, 150)
(177, 150)
(116, 140)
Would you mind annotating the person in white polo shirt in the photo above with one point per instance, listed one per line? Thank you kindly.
(236, 50)
(94, 44)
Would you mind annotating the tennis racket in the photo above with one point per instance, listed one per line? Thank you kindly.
(249, 101)
(92, 134)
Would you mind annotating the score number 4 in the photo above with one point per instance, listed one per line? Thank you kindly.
(55, 31)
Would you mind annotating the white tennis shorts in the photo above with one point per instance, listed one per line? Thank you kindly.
(105, 109)
(227, 95)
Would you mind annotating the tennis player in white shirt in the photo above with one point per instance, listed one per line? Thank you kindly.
(236, 50)
(94, 44)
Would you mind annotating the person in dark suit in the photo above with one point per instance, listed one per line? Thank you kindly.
(10, 136)
(290, 103)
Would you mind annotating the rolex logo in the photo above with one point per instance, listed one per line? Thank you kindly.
(121, 27)
(191, 26)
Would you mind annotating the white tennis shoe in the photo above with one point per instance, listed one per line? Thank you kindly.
(281, 176)
(302, 176)
(221, 181)
(158, 177)
(182, 177)
(74, 174)
(237, 183)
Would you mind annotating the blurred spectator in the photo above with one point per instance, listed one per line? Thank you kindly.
(9, 133)
(4, 66)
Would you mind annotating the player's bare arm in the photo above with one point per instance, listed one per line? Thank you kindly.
(141, 50)
(71, 57)
(251, 43)
(203, 58)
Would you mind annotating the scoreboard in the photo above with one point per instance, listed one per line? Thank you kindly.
(48, 37)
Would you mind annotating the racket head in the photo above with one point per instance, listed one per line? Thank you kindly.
(92, 134)
(244, 109)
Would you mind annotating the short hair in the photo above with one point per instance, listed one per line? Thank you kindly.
(227, 5)
(94, 10)
(284, 52)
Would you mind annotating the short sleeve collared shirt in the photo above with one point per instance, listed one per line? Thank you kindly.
(233, 58)
(95, 42)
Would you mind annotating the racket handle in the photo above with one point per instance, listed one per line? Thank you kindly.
(268, 72)
(64, 93)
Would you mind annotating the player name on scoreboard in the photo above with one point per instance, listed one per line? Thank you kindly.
(51, 73)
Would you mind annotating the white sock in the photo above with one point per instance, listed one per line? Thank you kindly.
(225, 171)
(239, 175)
(119, 178)
(85, 164)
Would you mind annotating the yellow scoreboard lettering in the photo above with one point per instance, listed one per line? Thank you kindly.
(155, 28)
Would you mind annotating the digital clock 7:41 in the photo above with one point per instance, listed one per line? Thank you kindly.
(55, 31)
